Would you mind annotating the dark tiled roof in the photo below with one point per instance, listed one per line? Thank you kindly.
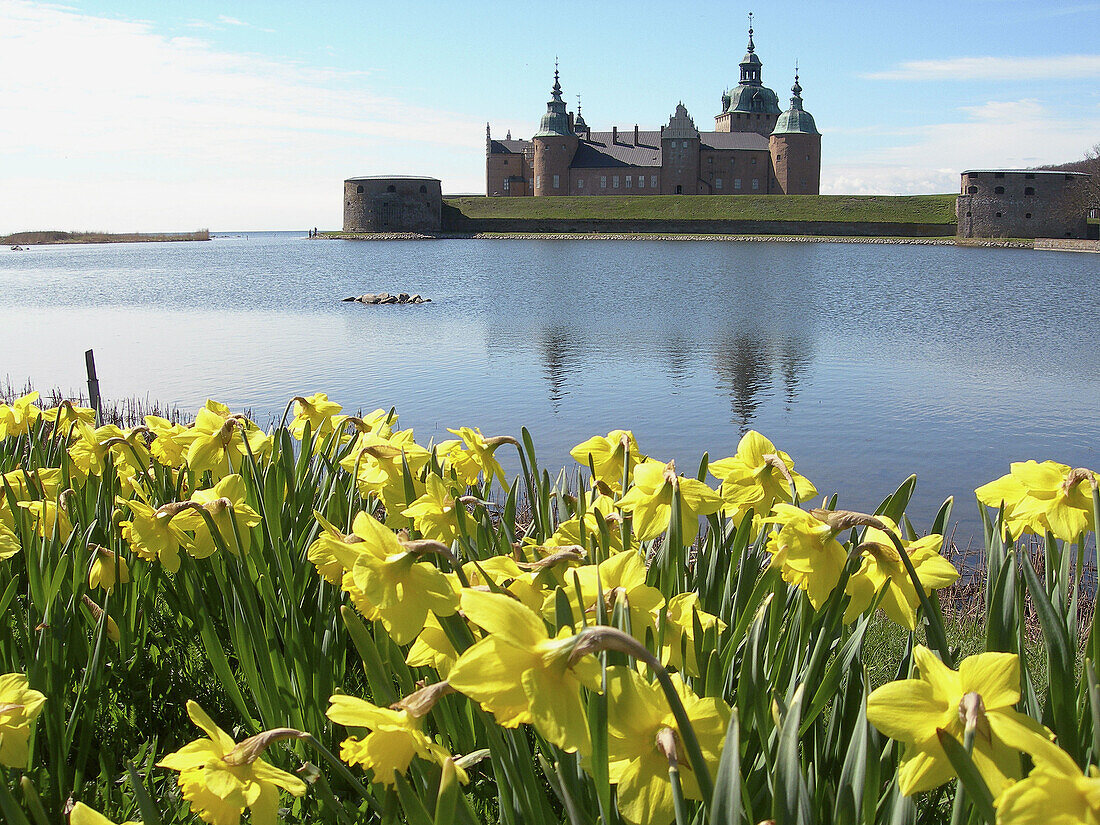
(733, 140)
(513, 147)
(599, 150)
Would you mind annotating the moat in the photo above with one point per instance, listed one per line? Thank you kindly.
(865, 362)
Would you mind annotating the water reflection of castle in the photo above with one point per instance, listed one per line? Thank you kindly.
(751, 366)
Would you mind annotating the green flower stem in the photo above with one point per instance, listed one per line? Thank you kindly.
(342, 769)
(937, 635)
(959, 805)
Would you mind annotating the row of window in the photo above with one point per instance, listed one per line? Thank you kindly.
(1000, 190)
(632, 181)
(737, 183)
(390, 188)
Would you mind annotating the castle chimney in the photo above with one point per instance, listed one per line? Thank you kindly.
(571, 121)
(635, 134)
(614, 134)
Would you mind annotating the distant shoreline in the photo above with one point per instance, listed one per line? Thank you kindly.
(40, 238)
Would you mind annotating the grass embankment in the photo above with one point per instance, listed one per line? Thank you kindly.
(934, 209)
(54, 236)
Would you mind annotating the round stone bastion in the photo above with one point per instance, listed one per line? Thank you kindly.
(388, 203)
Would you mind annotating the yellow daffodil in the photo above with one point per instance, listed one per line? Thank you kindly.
(113, 632)
(401, 588)
(608, 455)
(758, 477)
(89, 450)
(678, 649)
(318, 412)
(152, 535)
(67, 413)
(48, 516)
(9, 542)
(170, 442)
(1043, 496)
(882, 566)
(394, 736)
(81, 814)
(640, 728)
(622, 577)
(475, 455)
(911, 711)
(805, 552)
(226, 504)
(376, 460)
(18, 417)
(43, 482)
(1056, 792)
(650, 501)
(221, 778)
(334, 555)
(568, 533)
(432, 648)
(107, 569)
(217, 441)
(19, 707)
(433, 513)
(521, 674)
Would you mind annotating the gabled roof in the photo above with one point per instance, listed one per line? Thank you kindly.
(733, 140)
(600, 151)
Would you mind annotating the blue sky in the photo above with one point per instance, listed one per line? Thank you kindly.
(155, 116)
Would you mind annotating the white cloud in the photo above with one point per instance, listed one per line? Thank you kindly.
(173, 125)
(1015, 133)
(1061, 67)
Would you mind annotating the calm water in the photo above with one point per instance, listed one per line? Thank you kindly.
(865, 362)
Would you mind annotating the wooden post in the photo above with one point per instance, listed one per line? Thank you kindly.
(93, 383)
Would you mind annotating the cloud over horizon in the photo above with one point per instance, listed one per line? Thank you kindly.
(1057, 67)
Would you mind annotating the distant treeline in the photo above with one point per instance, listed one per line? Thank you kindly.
(48, 236)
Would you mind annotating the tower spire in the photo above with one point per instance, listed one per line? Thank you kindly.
(752, 48)
(796, 90)
(557, 85)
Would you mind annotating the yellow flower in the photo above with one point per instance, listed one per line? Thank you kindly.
(1056, 792)
(680, 615)
(89, 451)
(621, 577)
(402, 589)
(475, 456)
(67, 413)
(639, 724)
(19, 707)
(805, 552)
(170, 443)
(113, 632)
(432, 648)
(318, 412)
(226, 504)
(9, 543)
(81, 814)
(883, 566)
(433, 513)
(608, 455)
(48, 517)
(221, 778)
(104, 567)
(650, 501)
(151, 534)
(18, 417)
(521, 674)
(758, 476)
(394, 737)
(217, 441)
(1040, 497)
(911, 711)
(376, 460)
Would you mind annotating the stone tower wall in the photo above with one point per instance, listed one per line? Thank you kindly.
(796, 159)
(553, 156)
(757, 122)
(392, 205)
(1021, 204)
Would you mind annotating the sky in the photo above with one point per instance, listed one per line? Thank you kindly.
(128, 115)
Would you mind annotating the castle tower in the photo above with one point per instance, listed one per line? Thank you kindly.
(752, 106)
(680, 155)
(555, 144)
(795, 146)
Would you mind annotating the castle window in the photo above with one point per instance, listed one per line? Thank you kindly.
(710, 160)
(391, 188)
(506, 182)
(1000, 190)
(1029, 190)
(778, 158)
(641, 181)
(629, 181)
(538, 181)
(756, 183)
(653, 181)
(615, 182)
(968, 214)
(685, 145)
(998, 214)
(580, 183)
(423, 190)
(556, 181)
(359, 189)
(970, 190)
(1028, 216)
(753, 161)
(717, 183)
(603, 181)
(737, 183)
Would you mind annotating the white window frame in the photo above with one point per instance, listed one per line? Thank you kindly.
(756, 183)
(629, 182)
(653, 181)
(641, 181)
(603, 181)
(614, 181)
(557, 181)
(538, 181)
(717, 183)
(737, 183)
(580, 183)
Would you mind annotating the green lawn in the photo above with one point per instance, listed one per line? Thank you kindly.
(934, 209)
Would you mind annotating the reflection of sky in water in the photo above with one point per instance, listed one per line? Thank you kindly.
(865, 362)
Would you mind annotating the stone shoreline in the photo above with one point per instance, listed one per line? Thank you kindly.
(578, 236)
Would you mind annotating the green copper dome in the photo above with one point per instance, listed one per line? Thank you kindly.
(556, 120)
(796, 120)
(751, 95)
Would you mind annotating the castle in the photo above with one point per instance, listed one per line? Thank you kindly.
(754, 149)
